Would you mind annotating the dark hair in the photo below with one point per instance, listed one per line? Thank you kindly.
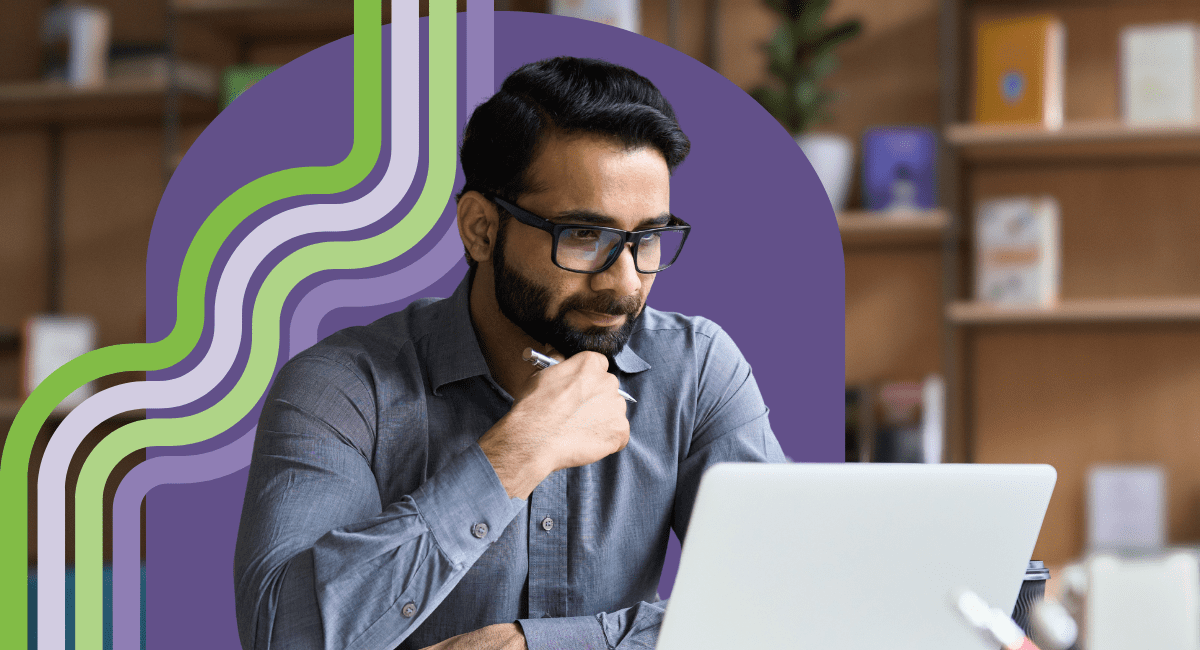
(565, 96)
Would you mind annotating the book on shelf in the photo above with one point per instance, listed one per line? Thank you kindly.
(49, 342)
(1159, 67)
(626, 14)
(1019, 69)
(898, 169)
(237, 79)
(896, 421)
(1017, 251)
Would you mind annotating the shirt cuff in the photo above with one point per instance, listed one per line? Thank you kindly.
(466, 506)
(574, 633)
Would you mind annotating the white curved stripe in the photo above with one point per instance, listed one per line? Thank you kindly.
(227, 332)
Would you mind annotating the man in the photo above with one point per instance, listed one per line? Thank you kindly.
(417, 481)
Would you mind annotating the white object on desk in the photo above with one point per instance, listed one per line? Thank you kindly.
(851, 555)
(1127, 508)
(1146, 603)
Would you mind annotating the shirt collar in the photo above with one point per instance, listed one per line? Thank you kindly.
(455, 353)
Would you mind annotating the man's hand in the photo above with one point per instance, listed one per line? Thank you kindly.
(568, 415)
(504, 636)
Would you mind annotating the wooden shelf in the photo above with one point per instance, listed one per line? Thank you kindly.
(328, 19)
(10, 406)
(983, 143)
(863, 228)
(115, 100)
(1097, 311)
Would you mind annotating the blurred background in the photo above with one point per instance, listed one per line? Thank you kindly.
(1016, 183)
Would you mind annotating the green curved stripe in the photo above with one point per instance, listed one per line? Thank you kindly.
(265, 327)
(18, 446)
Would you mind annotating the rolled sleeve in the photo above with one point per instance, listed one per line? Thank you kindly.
(574, 633)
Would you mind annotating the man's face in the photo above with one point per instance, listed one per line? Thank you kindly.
(581, 180)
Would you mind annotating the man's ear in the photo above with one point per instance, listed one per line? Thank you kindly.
(478, 223)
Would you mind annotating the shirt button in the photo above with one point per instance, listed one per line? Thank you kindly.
(547, 523)
(409, 609)
(479, 530)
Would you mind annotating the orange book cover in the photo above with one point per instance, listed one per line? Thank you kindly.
(1019, 70)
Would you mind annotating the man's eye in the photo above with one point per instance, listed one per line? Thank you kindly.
(582, 235)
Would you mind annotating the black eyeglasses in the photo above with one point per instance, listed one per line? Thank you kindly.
(592, 249)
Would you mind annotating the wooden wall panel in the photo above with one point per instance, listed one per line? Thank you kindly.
(20, 51)
(111, 189)
(656, 24)
(24, 165)
(893, 302)
(1087, 395)
(1128, 228)
(137, 21)
(269, 52)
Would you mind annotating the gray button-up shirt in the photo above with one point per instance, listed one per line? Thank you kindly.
(372, 518)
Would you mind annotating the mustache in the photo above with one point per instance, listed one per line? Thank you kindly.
(626, 306)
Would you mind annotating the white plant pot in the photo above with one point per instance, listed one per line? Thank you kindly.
(832, 157)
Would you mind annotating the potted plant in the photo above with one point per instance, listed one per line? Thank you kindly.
(800, 56)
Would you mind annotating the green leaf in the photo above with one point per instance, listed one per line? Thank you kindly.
(823, 64)
(840, 33)
(784, 70)
(812, 17)
(782, 46)
(804, 95)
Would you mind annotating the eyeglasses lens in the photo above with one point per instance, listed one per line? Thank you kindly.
(587, 249)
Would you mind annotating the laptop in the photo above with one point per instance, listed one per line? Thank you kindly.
(851, 556)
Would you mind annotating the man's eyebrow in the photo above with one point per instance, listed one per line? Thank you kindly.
(597, 219)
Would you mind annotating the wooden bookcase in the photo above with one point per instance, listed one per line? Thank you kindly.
(1109, 375)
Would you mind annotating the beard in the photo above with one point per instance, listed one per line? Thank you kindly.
(524, 302)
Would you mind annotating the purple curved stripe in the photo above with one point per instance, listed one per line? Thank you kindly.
(235, 456)
(481, 51)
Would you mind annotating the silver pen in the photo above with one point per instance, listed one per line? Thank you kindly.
(541, 362)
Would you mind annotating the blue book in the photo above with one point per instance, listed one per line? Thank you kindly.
(898, 168)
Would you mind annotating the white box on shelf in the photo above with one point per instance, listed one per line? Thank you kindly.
(88, 32)
(1017, 251)
(50, 341)
(1159, 68)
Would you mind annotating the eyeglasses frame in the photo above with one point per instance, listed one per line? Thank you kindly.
(627, 236)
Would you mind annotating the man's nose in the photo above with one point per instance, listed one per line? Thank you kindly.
(621, 278)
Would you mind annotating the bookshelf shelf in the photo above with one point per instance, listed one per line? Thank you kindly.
(281, 18)
(864, 228)
(115, 100)
(1079, 140)
(10, 406)
(1094, 311)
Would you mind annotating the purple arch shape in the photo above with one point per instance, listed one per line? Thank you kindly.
(781, 298)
